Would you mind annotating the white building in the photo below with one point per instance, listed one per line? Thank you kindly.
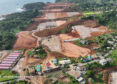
(81, 80)
(110, 42)
(64, 62)
(103, 61)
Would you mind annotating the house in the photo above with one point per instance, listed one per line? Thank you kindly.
(79, 68)
(82, 41)
(76, 68)
(38, 68)
(109, 59)
(103, 61)
(64, 62)
(110, 42)
(32, 71)
(113, 48)
(55, 62)
(89, 57)
(81, 80)
(114, 45)
(48, 65)
(108, 47)
(116, 37)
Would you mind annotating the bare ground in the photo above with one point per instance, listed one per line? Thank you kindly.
(25, 41)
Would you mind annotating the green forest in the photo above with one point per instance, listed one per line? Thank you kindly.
(91, 5)
(107, 9)
(13, 24)
(17, 22)
(31, 6)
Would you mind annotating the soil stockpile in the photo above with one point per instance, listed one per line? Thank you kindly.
(24, 40)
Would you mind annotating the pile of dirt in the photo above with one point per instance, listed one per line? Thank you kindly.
(66, 36)
(91, 47)
(53, 43)
(54, 31)
(57, 7)
(103, 30)
(61, 15)
(25, 40)
(89, 32)
(72, 50)
(32, 26)
(90, 23)
(56, 16)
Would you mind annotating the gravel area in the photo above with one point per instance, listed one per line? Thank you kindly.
(85, 32)
(51, 24)
(53, 43)
(114, 78)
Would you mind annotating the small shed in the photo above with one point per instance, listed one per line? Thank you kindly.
(55, 61)
(38, 68)
(89, 57)
(48, 65)
(103, 61)
(64, 62)
(32, 71)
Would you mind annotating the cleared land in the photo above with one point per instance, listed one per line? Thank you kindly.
(86, 32)
(32, 26)
(25, 40)
(114, 78)
(58, 15)
(50, 24)
(70, 49)
(3, 54)
(53, 43)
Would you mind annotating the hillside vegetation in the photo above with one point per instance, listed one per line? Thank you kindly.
(31, 6)
(106, 18)
(91, 5)
(106, 10)
(13, 24)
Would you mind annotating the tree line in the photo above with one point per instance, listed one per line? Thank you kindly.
(13, 24)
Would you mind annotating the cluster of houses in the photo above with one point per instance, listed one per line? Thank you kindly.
(38, 68)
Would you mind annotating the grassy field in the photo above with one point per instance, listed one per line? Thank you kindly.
(90, 13)
(113, 55)
(6, 75)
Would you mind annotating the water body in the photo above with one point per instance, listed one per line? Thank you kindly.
(11, 6)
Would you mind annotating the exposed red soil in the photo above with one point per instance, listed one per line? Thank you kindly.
(91, 48)
(53, 5)
(57, 7)
(90, 23)
(54, 31)
(61, 15)
(25, 41)
(103, 30)
(66, 37)
(32, 26)
(74, 34)
(70, 49)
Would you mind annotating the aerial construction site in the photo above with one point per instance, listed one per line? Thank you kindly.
(55, 33)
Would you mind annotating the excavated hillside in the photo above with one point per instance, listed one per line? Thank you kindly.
(65, 28)
(25, 40)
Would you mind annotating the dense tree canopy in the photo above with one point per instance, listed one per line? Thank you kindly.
(38, 5)
(13, 24)
(91, 5)
(6, 40)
